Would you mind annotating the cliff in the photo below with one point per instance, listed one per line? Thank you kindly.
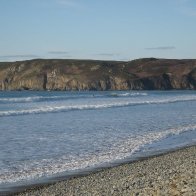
(141, 74)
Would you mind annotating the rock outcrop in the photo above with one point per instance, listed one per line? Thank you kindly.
(141, 74)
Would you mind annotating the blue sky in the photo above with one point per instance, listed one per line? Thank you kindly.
(97, 29)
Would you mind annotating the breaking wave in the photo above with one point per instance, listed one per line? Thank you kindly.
(21, 99)
(124, 148)
(65, 97)
(121, 103)
(132, 94)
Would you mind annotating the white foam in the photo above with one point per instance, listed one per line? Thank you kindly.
(21, 99)
(96, 105)
(37, 98)
(29, 99)
(132, 94)
(120, 150)
(128, 94)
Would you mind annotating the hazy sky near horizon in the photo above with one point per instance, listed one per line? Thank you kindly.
(97, 29)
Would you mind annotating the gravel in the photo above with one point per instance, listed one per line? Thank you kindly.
(173, 173)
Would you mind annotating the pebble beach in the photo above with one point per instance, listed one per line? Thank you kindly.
(173, 173)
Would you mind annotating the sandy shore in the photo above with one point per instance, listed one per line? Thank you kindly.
(173, 173)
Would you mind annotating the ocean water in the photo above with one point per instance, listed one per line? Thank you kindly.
(50, 134)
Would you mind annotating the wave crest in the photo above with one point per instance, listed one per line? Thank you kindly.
(121, 103)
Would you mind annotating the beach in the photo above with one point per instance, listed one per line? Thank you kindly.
(173, 173)
(97, 143)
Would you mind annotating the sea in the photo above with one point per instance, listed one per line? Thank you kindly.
(50, 135)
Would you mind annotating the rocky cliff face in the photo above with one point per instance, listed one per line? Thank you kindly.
(141, 74)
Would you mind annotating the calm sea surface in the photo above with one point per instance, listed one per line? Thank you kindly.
(46, 134)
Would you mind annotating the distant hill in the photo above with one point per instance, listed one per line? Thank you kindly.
(140, 74)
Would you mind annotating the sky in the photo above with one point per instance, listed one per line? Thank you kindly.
(97, 29)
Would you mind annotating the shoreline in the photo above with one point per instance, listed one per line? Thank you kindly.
(109, 90)
(67, 185)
